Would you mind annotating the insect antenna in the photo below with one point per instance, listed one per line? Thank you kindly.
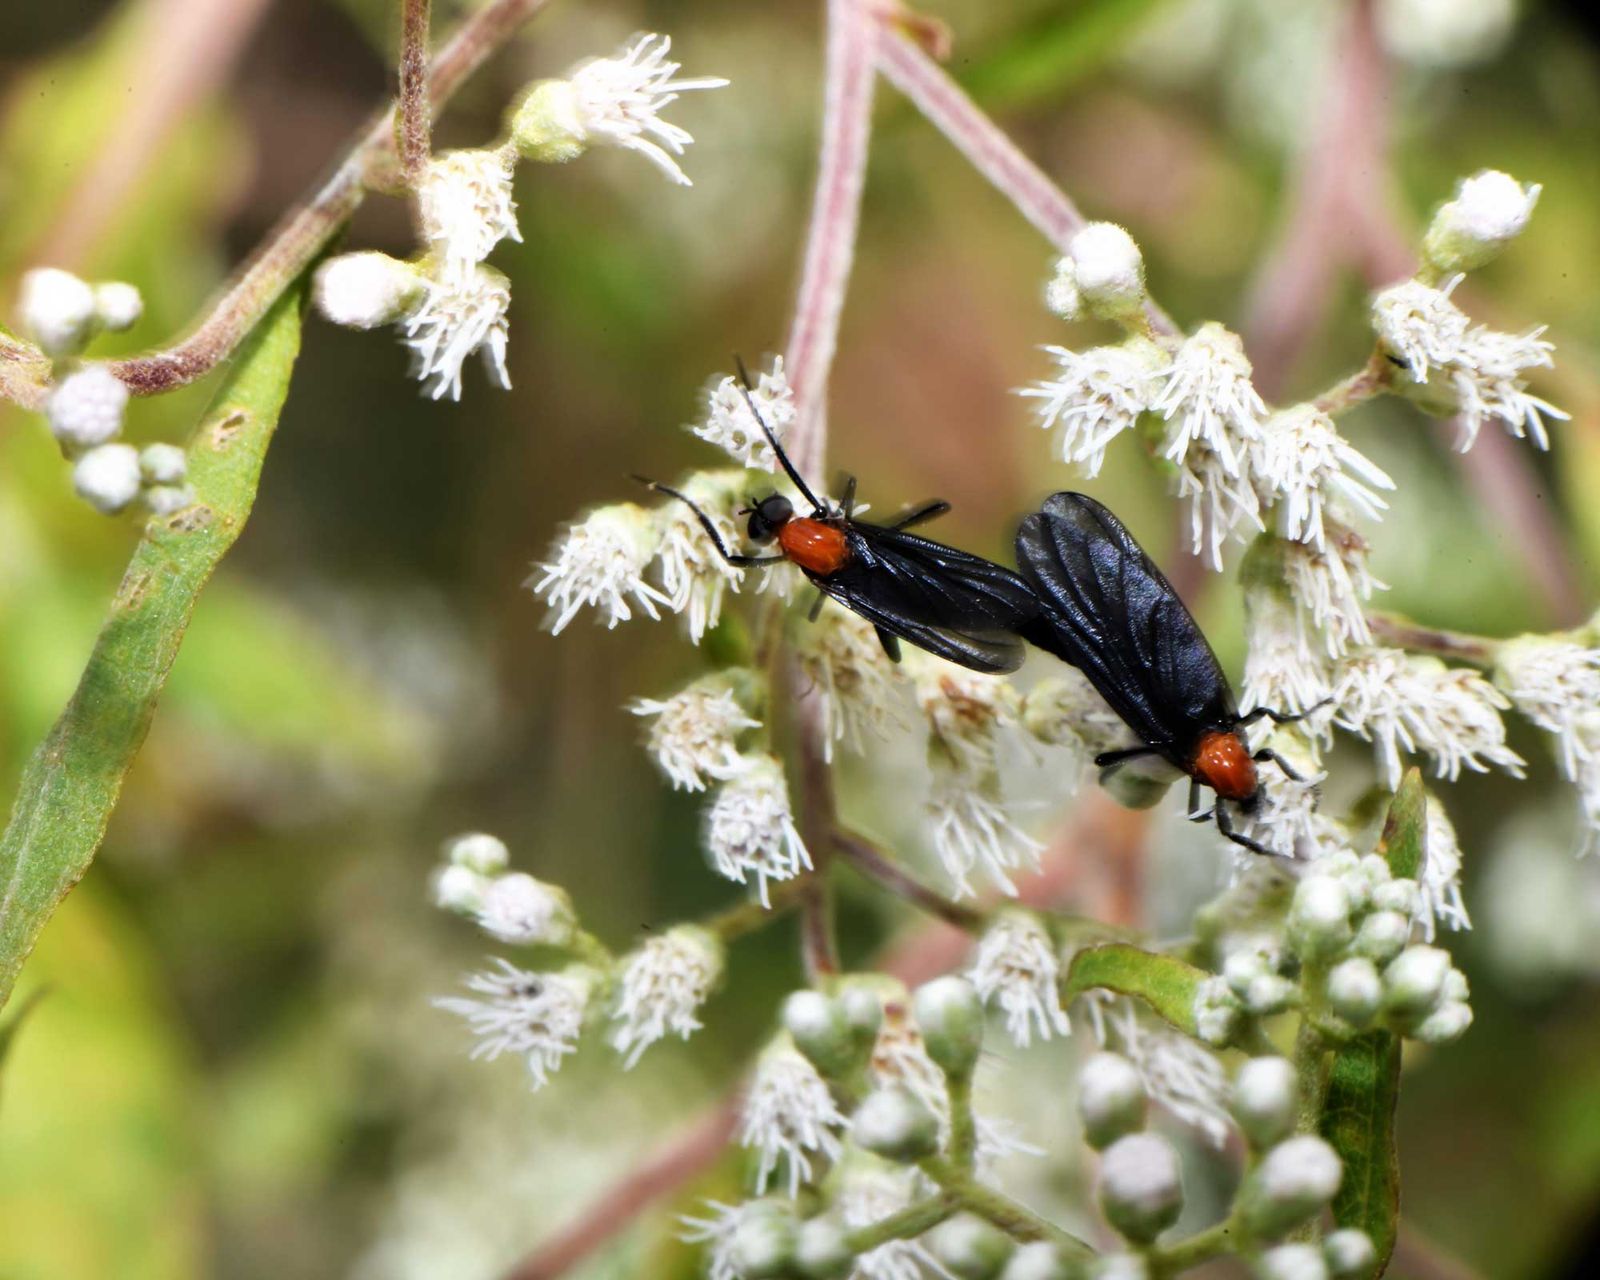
(705, 523)
(783, 458)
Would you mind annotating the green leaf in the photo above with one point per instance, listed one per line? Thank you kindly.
(1165, 983)
(1405, 831)
(71, 784)
(1358, 1120)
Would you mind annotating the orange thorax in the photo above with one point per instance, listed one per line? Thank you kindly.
(1223, 763)
(817, 547)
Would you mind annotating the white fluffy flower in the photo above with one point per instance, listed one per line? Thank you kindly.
(694, 575)
(750, 829)
(538, 1015)
(517, 908)
(695, 733)
(107, 477)
(600, 562)
(1397, 701)
(1215, 416)
(964, 709)
(861, 690)
(730, 425)
(1556, 684)
(1108, 269)
(1183, 1077)
(663, 985)
(1302, 464)
(870, 1193)
(1095, 396)
(465, 207)
(57, 310)
(1478, 368)
(789, 1118)
(366, 290)
(1329, 585)
(456, 318)
(1287, 818)
(118, 305)
(1282, 668)
(1440, 900)
(971, 829)
(1489, 209)
(1017, 967)
(85, 408)
(1065, 710)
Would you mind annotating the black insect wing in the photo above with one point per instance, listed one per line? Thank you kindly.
(1109, 611)
(954, 604)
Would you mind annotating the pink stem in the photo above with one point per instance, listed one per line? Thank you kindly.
(986, 146)
(835, 216)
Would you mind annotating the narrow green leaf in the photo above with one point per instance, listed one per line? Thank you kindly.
(1165, 983)
(71, 784)
(1405, 831)
(1358, 1120)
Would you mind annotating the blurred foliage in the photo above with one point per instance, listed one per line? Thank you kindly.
(234, 1069)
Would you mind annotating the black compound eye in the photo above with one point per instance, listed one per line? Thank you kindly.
(769, 515)
(757, 529)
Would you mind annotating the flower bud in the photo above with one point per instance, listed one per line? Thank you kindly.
(1141, 1186)
(1120, 1266)
(107, 477)
(163, 464)
(1061, 295)
(1355, 990)
(1446, 1023)
(1319, 917)
(863, 1010)
(817, 1025)
(478, 852)
(1292, 1262)
(820, 1251)
(1489, 209)
(1400, 896)
(1267, 994)
(519, 909)
(85, 408)
(459, 889)
(546, 125)
(57, 310)
(763, 1242)
(1293, 1181)
(1382, 936)
(1349, 1253)
(167, 499)
(950, 1016)
(1216, 1012)
(1414, 982)
(1111, 1099)
(1108, 270)
(1242, 968)
(970, 1248)
(1041, 1260)
(117, 306)
(892, 1122)
(1264, 1100)
(365, 290)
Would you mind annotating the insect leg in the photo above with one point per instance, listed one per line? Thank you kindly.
(1194, 814)
(890, 643)
(1108, 758)
(816, 606)
(788, 467)
(920, 514)
(1225, 825)
(1266, 754)
(848, 502)
(711, 530)
(1280, 717)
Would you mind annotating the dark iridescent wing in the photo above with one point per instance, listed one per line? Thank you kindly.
(953, 604)
(1108, 610)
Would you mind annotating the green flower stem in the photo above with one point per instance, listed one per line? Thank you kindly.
(1310, 1066)
(963, 1124)
(751, 916)
(1480, 651)
(1012, 1218)
(1174, 1259)
(71, 784)
(1372, 379)
(911, 1221)
(590, 950)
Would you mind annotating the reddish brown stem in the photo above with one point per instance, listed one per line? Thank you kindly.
(873, 863)
(415, 127)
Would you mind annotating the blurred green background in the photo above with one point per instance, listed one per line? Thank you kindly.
(236, 1070)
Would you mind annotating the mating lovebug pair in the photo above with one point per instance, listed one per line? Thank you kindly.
(1087, 593)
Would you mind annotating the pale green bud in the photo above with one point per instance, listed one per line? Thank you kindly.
(894, 1123)
(1292, 1262)
(763, 1242)
(1268, 993)
(1293, 1181)
(1216, 1012)
(1413, 984)
(1141, 1186)
(1061, 295)
(1264, 1100)
(1319, 917)
(1041, 1260)
(547, 125)
(478, 852)
(1489, 210)
(1399, 896)
(970, 1248)
(1111, 1099)
(820, 1252)
(1349, 1253)
(949, 1014)
(818, 1026)
(1355, 990)
(863, 1010)
(1446, 1023)
(163, 464)
(1382, 936)
(1108, 270)
(365, 290)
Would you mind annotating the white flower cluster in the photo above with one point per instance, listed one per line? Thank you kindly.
(62, 313)
(861, 691)
(966, 712)
(1555, 682)
(1017, 967)
(537, 1015)
(1180, 1076)
(447, 302)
